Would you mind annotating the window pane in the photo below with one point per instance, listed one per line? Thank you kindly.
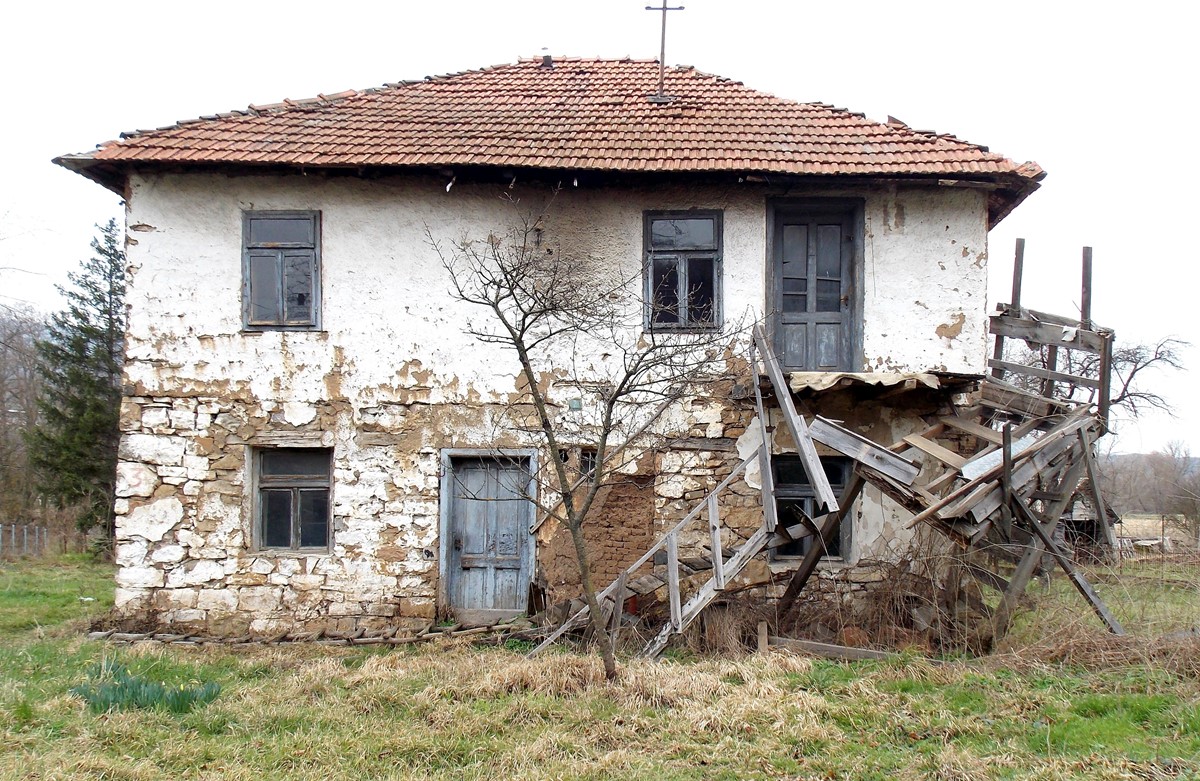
(296, 461)
(701, 292)
(829, 251)
(795, 304)
(277, 519)
(314, 518)
(264, 287)
(664, 291)
(298, 290)
(281, 230)
(795, 250)
(829, 295)
(694, 233)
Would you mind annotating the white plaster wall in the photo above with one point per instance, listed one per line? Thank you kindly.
(925, 280)
(392, 376)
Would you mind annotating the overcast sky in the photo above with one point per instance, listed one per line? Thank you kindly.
(1102, 95)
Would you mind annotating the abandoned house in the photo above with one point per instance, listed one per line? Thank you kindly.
(303, 402)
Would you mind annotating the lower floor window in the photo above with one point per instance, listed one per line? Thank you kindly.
(794, 495)
(292, 502)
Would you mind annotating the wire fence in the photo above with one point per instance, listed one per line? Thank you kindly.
(23, 539)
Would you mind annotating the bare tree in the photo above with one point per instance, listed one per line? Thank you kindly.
(19, 330)
(1132, 365)
(592, 374)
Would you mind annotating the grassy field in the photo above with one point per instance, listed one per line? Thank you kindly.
(457, 711)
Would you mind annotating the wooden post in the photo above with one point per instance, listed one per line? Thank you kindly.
(1105, 377)
(1085, 299)
(764, 641)
(1014, 304)
(618, 611)
(673, 581)
(714, 534)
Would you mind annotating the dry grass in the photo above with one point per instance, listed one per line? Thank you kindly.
(452, 710)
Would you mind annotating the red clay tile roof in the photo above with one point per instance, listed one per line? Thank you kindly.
(580, 114)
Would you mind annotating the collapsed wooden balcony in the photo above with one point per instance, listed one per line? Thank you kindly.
(993, 478)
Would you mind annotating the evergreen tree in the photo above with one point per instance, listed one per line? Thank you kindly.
(73, 449)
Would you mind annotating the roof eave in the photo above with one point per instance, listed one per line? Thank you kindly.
(107, 174)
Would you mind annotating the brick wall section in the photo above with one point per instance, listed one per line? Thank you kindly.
(619, 528)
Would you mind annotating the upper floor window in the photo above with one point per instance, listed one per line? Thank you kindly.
(683, 269)
(281, 269)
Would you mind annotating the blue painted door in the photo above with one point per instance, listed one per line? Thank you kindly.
(813, 304)
(490, 557)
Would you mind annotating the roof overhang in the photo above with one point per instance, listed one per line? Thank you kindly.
(1005, 191)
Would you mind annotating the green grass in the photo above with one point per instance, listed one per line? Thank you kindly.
(448, 710)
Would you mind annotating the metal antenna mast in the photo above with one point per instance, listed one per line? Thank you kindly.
(662, 52)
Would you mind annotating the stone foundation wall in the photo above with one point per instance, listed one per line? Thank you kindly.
(185, 547)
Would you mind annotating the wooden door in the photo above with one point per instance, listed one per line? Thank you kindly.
(813, 252)
(490, 557)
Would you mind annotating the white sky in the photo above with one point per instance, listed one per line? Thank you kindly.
(1102, 95)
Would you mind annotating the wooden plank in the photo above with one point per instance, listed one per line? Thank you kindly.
(704, 595)
(619, 598)
(863, 450)
(947, 457)
(1069, 425)
(1080, 583)
(831, 651)
(974, 429)
(1051, 366)
(1070, 335)
(766, 475)
(804, 444)
(673, 580)
(1019, 579)
(1046, 374)
(714, 536)
(1105, 394)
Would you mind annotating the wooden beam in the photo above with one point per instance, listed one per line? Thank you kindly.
(619, 597)
(946, 456)
(863, 450)
(1042, 332)
(1080, 583)
(1100, 506)
(1085, 298)
(831, 651)
(1014, 302)
(1047, 374)
(804, 444)
(974, 429)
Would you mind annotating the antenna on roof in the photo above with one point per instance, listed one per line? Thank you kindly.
(660, 96)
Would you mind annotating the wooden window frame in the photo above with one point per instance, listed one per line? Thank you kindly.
(650, 254)
(262, 482)
(313, 323)
(805, 491)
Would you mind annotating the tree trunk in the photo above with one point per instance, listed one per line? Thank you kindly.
(599, 630)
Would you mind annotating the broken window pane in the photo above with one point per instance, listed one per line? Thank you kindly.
(298, 287)
(664, 290)
(701, 287)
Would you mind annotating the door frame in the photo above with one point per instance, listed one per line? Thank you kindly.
(445, 488)
(857, 209)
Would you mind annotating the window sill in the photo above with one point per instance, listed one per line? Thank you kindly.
(288, 553)
(257, 331)
(662, 330)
